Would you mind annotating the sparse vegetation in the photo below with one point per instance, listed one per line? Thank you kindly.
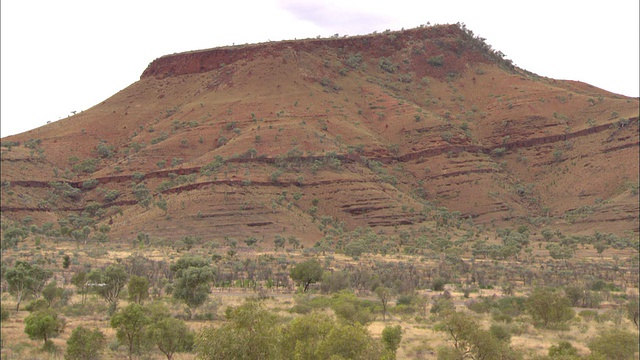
(420, 212)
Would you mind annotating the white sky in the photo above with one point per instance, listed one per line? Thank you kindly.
(63, 55)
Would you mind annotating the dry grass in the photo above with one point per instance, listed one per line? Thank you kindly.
(420, 341)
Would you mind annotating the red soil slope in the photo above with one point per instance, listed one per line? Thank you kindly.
(371, 131)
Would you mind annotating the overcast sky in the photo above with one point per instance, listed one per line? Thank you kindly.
(62, 56)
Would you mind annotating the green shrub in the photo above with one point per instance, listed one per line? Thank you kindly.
(548, 308)
(470, 340)
(391, 338)
(441, 305)
(9, 144)
(301, 309)
(512, 305)
(615, 344)
(498, 152)
(387, 65)
(588, 315)
(498, 316)
(349, 307)
(248, 333)
(213, 166)
(562, 349)
(601, 285)
(87, 166)
(137, 176)
(163, 136)
(104, 151)
(32, 143)
(67, 190)
(111, 195)
(436, 60)
(404, 299)
(43, 325)
(404, 309)
(501, 332)
(318, 336)
(438, 284)
(405, 78)
(37, 305)
(479, 306)
(354, 60)
(355, 248)
(275, 175)
(89, 184)
(5, 313)
(84, 344)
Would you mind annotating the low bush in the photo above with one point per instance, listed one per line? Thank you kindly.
(436, 60)
(387, 65)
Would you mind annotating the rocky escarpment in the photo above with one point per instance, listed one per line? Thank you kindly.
(426, 40)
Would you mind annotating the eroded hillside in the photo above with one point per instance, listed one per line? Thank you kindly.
(393, 131)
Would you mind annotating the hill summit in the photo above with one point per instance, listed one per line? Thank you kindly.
(391, 133)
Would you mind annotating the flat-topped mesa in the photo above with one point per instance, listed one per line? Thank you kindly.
(437, 38)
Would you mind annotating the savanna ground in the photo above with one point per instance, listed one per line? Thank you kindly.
(413, 310)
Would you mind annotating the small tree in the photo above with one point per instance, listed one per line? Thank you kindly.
(11, 236)
(469, 339)
(81, 281)
(193, 278)
(130, 324)
(279, 242)
(307, 273)
(248, 334)
(112, 280)
(303, 335)
(293, 241)
(384, 294)
(561, 252)
(40, 276)
(349, 341)
(25, 279)
(171, 335)
(347, 306)
(391, 337)
(43, 325)
(18, 279)
(318, 336)
(459, 327)
(600, 247)
(52, 292)
(549, 308)
(138, 289)
(85, 344)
